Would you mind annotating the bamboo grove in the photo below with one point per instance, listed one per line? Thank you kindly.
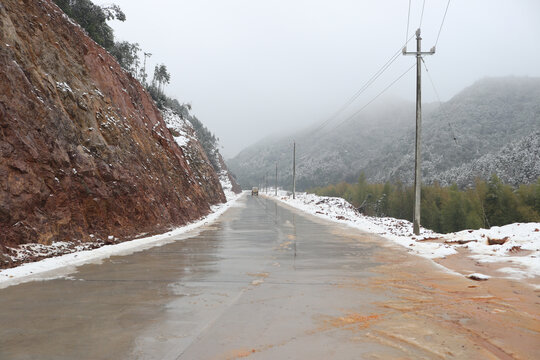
(445, 208)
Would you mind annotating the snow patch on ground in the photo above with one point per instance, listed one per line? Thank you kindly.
(27, 251)
(182, 128)
(519, 248)
(60, 266)
(478, 276)
(226, 185)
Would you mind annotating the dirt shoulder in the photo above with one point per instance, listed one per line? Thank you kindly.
(449, 316)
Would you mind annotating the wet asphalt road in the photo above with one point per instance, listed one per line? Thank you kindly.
(264, 282)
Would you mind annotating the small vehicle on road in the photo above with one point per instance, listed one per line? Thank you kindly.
(255, 191)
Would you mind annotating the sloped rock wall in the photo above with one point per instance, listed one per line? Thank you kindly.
(235, 187)
(185, 136)
(84, 151)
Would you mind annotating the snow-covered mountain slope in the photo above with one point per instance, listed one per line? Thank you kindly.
(478, 123)
(516, 163)
(483, 118)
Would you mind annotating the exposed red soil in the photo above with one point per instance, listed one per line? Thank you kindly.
(83, 148)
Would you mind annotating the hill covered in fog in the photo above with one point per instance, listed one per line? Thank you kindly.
(491, 126)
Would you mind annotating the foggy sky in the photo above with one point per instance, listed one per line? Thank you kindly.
(254, 68)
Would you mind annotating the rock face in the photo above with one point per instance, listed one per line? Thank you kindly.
(185, 136)
(84, 151)
(227, 178)
(180, 124)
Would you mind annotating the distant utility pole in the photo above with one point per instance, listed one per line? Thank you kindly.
(276, 179)
(417, 155)
(294, 171)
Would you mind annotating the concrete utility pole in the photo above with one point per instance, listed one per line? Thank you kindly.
(294, 171)
(276, 179)
(417, 155)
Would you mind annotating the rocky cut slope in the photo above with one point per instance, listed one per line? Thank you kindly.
(85, 153)
(180, 124)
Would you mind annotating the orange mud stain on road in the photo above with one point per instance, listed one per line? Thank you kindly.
(444, 315)
(246, 352)
(351, 321)
(261, 275)
(240, 354)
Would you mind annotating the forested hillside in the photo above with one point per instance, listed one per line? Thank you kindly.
(473, 134)
(485, 118)
(517, 163)
(329, 155)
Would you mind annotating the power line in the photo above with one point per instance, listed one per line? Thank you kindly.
(359, 92)
(366, 85)
(422, 15)
(374, 98)
(442, 23)
(408, 18)
(382, 69)
(440, 102)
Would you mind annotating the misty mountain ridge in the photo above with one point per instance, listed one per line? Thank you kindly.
(470, 135)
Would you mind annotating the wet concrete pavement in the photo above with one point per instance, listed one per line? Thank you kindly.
(267, 282)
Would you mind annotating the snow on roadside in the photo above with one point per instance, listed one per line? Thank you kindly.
(63, 265)
(33, 250)
(520, 246)
(517, 244)
(182, 128)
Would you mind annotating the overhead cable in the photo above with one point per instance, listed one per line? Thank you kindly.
(408, 18)
(440, 102)
(375, 97)
(442, 23)
(422, 15)
(366, 85)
